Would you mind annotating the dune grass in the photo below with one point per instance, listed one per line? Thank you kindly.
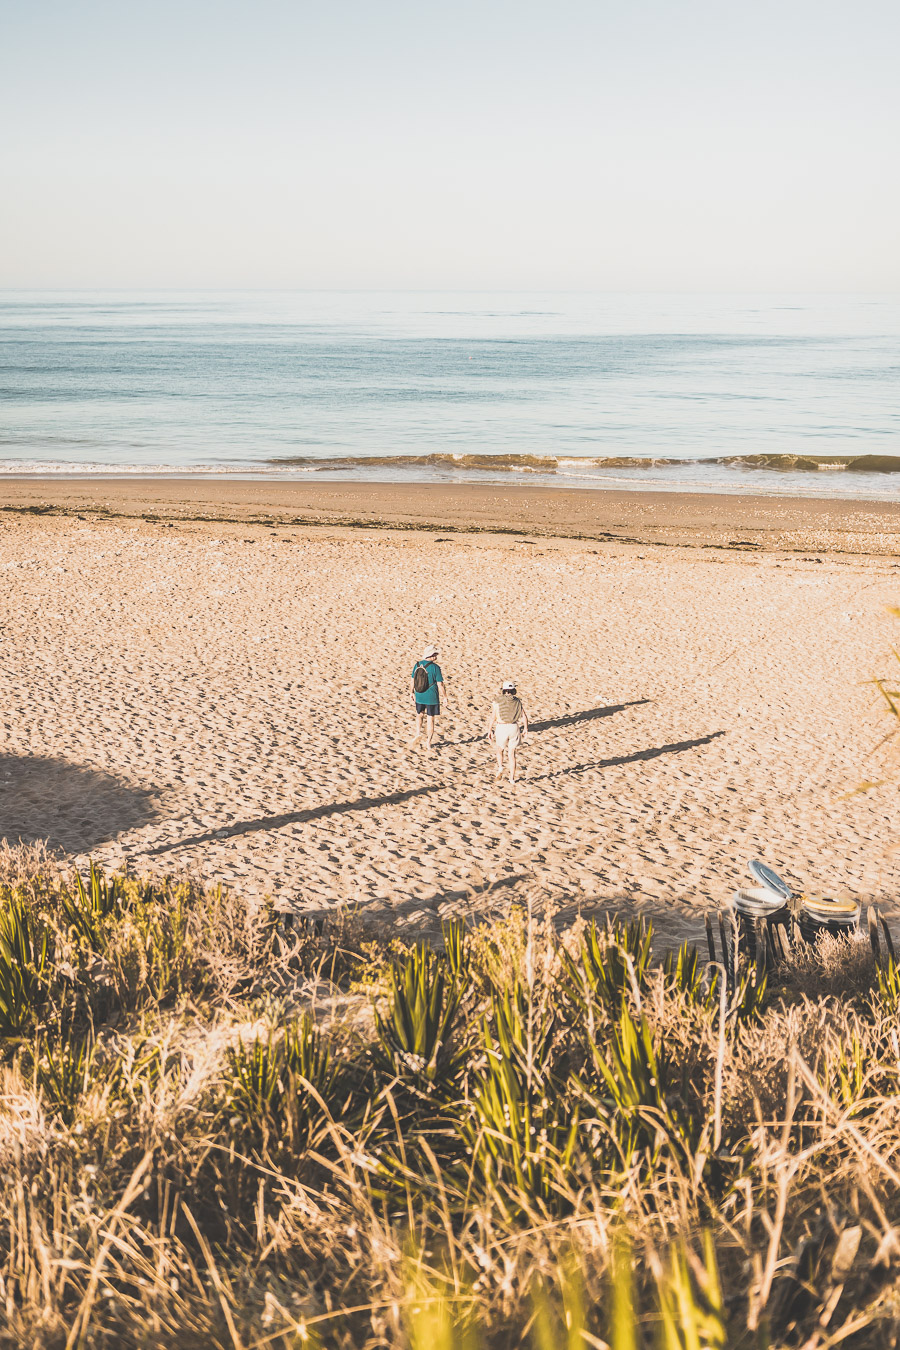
(218, 1131)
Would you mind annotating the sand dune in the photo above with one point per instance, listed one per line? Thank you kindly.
(234, 699)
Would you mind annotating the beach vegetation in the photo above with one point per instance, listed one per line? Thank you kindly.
(222, 1127)
(25, 963)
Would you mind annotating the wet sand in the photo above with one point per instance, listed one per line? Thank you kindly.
(684, 519)
(232, 697)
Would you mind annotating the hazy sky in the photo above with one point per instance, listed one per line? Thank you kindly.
(608, 144)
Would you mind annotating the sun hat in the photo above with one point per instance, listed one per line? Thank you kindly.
(429, 652)
(509, 687)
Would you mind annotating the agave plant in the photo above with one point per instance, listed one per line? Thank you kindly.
(635, 1082)
(257, 1081)
(307, 1052)
(631, 1095)
(416, 1033)
(25, 964)
(843, 1076)
(524, 1030)
(163, 924)
(141, 931)
(150, 951)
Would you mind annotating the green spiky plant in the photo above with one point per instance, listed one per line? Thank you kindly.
(523, 1135)
(87, 907)
(523, 1144)
(26, 964)
(150, 950)
(887, 974)
(67, 1069)
(691, 1306)
(281, 1088)
(200, 1210)
(612, 963)
(685, 973)
(634, 1101)
(635, 1108)
(685, 1306)
(456, 949)
(748, 999)
(843, 1075)
(416, 1043)
(163, 926)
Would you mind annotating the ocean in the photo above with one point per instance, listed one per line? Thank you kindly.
(783, 395)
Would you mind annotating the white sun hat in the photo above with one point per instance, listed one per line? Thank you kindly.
(509, 687)
(429, 652)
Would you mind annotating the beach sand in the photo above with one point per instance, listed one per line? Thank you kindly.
(200, 691)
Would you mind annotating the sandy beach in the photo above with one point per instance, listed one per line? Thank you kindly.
(195, 680)
(516, 510)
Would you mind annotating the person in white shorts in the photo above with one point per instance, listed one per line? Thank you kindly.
(507, 728)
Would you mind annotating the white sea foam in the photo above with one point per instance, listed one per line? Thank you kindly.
(647, 392)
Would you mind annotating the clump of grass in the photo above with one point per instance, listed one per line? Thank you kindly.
(519, 1139)
(610, 964)
(416, 1032)
(26, 964)
(281, 1092)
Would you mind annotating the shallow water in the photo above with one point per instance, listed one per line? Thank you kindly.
(575, 390)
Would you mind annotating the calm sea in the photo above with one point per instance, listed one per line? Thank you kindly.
(777, 394)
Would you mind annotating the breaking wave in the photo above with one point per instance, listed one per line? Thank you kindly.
(505, 463)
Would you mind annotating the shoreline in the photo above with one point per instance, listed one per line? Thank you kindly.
(756, 524)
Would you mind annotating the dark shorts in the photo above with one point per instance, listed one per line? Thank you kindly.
(432, 709)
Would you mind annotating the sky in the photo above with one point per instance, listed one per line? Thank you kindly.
(625, 145)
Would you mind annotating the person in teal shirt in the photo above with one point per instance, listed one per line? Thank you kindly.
(427, 700)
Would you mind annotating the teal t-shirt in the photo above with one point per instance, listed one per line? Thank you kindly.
(430, 697)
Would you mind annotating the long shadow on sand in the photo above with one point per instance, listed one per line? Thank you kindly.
(477, 893)
(568, 720)
(675, 748)
(295, 818)
(589, 715)
(73, 807)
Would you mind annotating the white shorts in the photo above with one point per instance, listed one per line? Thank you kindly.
(507, 735)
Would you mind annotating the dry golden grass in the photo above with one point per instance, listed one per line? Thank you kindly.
(217, 1132)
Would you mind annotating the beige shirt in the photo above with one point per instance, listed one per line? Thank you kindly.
(509, 709)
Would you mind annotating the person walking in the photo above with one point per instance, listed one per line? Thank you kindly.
(426, 676)
(508, 727)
